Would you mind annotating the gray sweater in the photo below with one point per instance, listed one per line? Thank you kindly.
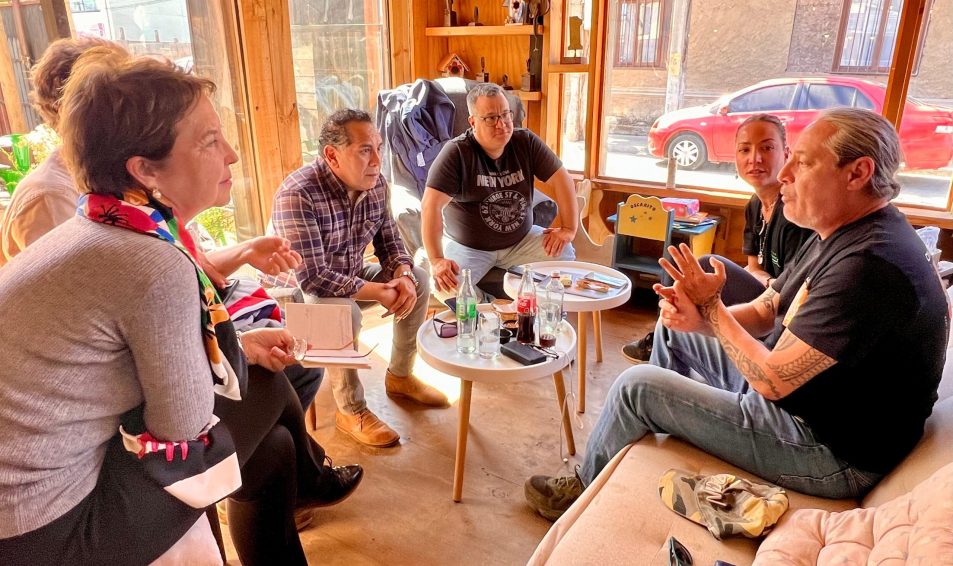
(94, 321)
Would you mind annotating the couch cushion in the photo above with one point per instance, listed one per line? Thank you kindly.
(934, 451)
(620, 519)
(914, 528)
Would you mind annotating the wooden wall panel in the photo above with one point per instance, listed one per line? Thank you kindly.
(265, 33)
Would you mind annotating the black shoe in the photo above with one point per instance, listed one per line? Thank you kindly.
(337, 484)
(639, 351)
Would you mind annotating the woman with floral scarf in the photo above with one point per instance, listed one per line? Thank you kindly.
(127, 401)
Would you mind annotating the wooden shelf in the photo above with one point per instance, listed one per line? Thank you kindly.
(483, 31)
(528, 96)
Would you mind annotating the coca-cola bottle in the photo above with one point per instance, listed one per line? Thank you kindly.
(526, 308)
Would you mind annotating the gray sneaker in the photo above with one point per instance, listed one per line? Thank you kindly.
(549, 496)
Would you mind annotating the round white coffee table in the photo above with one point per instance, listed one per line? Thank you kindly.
(580, 304)
(442, 355)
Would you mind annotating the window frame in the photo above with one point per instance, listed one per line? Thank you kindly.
(875, 68)
(661, 43)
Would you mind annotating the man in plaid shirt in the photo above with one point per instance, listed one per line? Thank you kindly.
(330, 210)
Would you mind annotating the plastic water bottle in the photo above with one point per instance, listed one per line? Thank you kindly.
(550, 311)
(466, 315)
(526, 308)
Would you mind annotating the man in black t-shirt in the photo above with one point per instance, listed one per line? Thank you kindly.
(480, 192)
(839, 392)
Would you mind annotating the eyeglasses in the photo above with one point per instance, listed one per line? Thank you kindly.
(678, 555)
(445, 329)
(494, 119)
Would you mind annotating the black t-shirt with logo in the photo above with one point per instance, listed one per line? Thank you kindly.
(869, 298)
(776, 243)
(492, 198)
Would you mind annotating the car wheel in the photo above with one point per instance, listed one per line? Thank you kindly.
(688, 151)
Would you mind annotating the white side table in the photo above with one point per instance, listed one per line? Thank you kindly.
(580, 304)
(441, 354)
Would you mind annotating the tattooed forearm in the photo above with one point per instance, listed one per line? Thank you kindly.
(766, 301)
(753, 372)
(799, 371)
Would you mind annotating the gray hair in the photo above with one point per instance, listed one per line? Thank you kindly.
(862, 133)
(334, 131)
(481, 89)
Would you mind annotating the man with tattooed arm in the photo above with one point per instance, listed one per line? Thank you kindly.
(823, 383)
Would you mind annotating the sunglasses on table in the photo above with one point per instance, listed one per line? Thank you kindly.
(444, 329)
(678, 555)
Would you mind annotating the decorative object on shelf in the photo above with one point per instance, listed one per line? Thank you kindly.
(516, 12)
(505, 83)
(449, 15)
(530, 81)
(476, 17)
(482, 76)
(453, 66)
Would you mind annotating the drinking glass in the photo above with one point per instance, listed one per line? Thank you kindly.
(549, 317)
(488, 335)
(300, 349)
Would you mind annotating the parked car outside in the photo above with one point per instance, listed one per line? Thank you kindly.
(700, 134)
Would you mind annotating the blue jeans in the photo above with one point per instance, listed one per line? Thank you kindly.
(717, 412)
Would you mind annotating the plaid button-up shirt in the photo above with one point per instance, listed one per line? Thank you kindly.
(313, 211)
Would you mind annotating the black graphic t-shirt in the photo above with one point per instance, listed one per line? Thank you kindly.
(492, 198)
(868, 297)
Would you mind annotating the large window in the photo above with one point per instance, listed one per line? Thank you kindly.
(340, 52)
(867, 36)
(720, 71)
(642, 32)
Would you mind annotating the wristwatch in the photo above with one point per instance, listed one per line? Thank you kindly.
(410, 273)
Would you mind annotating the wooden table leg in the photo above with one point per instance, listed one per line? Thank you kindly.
(597, 332)
(581, 361)
(463, 428)
(567, 423)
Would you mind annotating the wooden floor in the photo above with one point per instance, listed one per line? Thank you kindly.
(403, 512)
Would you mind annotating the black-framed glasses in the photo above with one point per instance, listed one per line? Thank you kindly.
(444, 329)
(494, 119)
(678, 555)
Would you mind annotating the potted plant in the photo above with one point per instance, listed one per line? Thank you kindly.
(23, 152)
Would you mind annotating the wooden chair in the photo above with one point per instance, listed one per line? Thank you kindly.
(589, 251)
(642, 218)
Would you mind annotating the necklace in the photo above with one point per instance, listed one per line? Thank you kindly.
(766, 213)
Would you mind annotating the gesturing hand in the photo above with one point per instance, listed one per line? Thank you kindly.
(678, 313)
(444, 273)
(698, 286)
(271, 255)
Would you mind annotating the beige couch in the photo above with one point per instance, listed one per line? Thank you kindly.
(620, 519)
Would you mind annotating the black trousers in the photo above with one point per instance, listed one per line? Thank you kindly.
(277, 455)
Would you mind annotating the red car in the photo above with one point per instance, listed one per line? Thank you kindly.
(696, 135)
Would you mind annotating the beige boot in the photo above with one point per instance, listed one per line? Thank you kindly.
(366, 428)
(411, 387)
